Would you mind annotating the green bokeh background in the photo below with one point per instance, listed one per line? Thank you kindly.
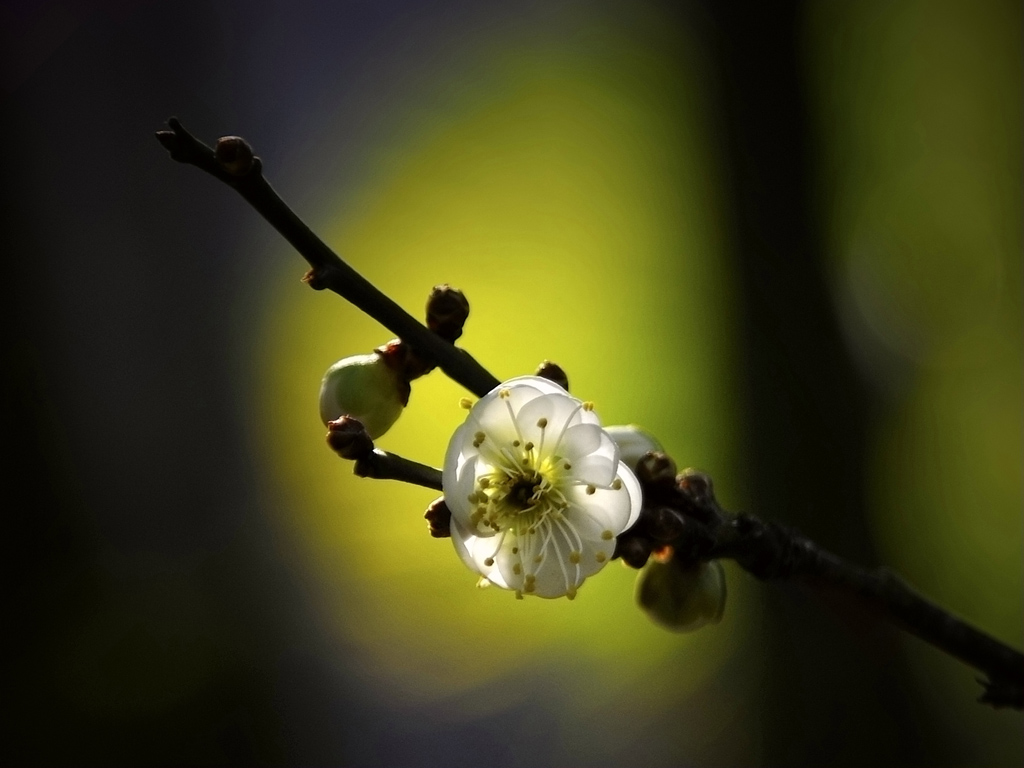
(568, 188)
(199, 580)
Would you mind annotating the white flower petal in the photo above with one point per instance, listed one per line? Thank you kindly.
(587, 439)
(458, 449)
(503, 458)
(595, 470)
(603, 510)
(496, 416)
(475, 552)
(545, 386)
(595, 554)
(555, 575)
(636, 496)
(557, 413)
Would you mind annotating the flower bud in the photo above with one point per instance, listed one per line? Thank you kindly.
(656, 468)
(681, 598)
(439, 519)
(447, 310)
(553, 372)
(364, 387)
(234, 155)
(347, 438)
(633, 443)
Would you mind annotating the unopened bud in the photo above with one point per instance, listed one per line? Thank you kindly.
(633, 549)
(366, 388)
(439, 519)
(553, 372)
(348, 438)
(665, 524)
(696, 485)
(633, 443)
(447, 310)
(656, 468)
(681, 598)
(234, 155)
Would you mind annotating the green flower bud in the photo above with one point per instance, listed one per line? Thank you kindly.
(366, 388)
(681, 599)
(633, 443)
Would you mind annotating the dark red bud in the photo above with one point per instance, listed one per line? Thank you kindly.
(447, 311)
(553, 372)
(234, 155)
(348, 438)
(439, 519)
(656, 468)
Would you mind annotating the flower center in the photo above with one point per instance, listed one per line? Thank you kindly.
(525, 490)
(521, 490)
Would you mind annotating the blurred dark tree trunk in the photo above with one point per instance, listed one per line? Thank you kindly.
(836, 689)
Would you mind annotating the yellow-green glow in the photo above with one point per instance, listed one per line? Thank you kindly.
(566, 196)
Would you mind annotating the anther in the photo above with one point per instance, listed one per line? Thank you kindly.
(517, 569)
(503, 393)
(574, 558)
(519, 594)
(489, 562)
(516, 443)
(607, 535)
(617, 485)
(466, 403)
(538, 559)
(480, 436)
(515, 550)
(567, 465)
(571, 593)
(542, 422)
(529, 446)
(591, 490)
(588, 406)
(600, 557)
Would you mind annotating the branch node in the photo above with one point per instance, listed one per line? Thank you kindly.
(235, 155)
(318, 278)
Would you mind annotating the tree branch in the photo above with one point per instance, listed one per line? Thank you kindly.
(682, 512)
(381, 465)
(234, 164)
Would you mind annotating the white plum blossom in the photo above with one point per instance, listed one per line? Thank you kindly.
(536, 489)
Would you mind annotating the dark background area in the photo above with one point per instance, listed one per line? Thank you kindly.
(140, 554)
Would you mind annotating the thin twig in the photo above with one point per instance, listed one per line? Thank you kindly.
(681, 512)
(381, 465)
(236, 166)
(348, 438)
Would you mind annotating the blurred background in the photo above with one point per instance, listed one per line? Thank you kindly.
(787, 241)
